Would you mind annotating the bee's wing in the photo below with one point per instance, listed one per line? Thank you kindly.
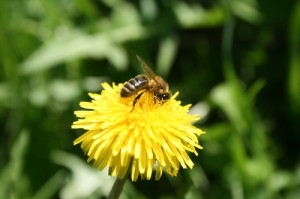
(146, 68)
(159, 81)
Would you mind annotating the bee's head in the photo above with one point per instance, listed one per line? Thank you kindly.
(161, 89)
(162, 95)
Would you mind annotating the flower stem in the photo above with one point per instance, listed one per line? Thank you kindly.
(117, 188)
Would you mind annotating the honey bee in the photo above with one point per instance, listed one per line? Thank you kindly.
(148, 82)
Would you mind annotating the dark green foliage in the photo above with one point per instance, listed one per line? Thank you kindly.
(236, 61)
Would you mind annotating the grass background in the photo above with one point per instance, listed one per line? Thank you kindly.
(236, 61)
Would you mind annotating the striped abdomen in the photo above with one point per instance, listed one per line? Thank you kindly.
(134, 85)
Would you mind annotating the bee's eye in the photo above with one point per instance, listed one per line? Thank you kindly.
(165, 96)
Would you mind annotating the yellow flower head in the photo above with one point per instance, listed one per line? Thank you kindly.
(126, 139)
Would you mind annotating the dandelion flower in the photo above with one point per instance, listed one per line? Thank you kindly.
(150, 136)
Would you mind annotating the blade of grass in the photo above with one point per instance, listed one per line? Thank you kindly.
(294, 70)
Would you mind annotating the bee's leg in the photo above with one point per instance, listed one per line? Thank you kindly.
(136, 99)
(154, 98)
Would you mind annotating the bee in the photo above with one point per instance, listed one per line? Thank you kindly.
(148, 82)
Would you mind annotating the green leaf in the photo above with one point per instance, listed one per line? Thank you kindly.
(166, 55)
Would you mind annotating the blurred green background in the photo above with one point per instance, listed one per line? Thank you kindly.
(236, 61)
